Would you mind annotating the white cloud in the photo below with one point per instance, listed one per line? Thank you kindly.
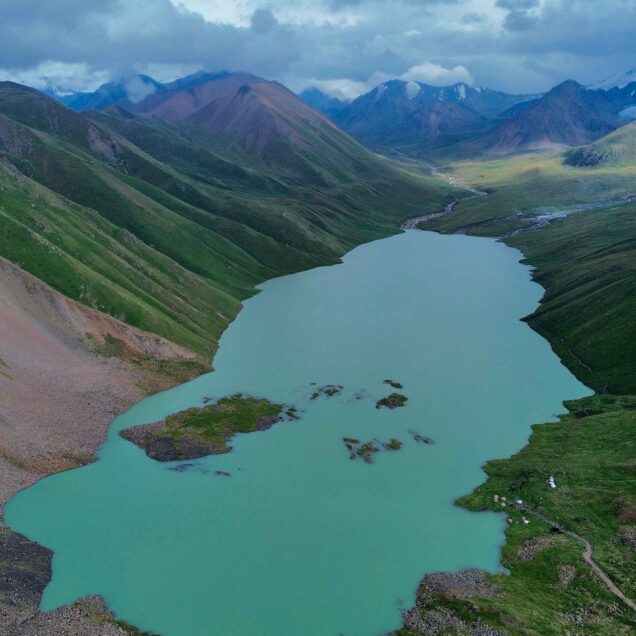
(137, 89)
(57, 75)
(413, 89)
(427, 72)
(344, 89)
(437, 75)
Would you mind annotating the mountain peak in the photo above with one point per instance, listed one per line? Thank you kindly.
(415, 116)
(569, 86)
(567, 115)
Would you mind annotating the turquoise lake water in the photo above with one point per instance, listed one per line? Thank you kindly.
(300, 540)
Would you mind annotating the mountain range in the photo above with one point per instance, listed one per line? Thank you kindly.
(408, 115)
(396, 117)
(415, 119)
(567, 115)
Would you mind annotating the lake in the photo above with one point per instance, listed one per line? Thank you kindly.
(300, 539)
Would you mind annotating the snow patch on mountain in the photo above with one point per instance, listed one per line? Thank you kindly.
(616, 81)
(413, 89)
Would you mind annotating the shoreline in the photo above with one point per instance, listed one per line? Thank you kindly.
(146, 375)
(126, 630)
(435, 611)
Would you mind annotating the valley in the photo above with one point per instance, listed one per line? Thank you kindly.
(131, 237)
(142, 255)
(257, 521)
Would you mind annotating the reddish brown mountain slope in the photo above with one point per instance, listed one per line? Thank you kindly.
(243, 109)
(568, 115)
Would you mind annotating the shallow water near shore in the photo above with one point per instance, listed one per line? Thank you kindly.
(299, 539)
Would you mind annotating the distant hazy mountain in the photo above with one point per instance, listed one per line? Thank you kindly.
(126, 92)
(568, 115)
(320, 101)
(415, 116)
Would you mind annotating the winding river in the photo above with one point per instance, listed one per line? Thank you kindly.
(299, 539)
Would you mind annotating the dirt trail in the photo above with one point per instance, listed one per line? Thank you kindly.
(588, 558)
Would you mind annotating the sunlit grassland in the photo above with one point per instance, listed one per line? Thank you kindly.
(521, 185)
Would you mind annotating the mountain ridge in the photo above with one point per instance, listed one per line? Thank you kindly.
(567, 115)
(459, 120)
(177, 210)
(417, 115)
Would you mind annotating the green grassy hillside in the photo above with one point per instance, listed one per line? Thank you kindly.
(133, 216)
(586, 261)
(524, 186)
(616, 149)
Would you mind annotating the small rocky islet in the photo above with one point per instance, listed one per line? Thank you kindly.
(366, 450)
(392, 401)
(201, 431)
(418, 437)
(328, 390)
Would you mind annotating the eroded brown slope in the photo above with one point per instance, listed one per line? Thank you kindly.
(65, 372)
(57, 393)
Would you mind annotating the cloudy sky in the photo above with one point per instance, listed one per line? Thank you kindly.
(342, 46)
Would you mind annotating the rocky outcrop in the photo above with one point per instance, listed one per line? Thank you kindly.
(532, 546)
(429, 617)
(25, 572)
(393, 401)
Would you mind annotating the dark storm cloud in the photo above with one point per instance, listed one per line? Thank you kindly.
(520, 21)
(121, 34)
(263, 21)
(508, 44)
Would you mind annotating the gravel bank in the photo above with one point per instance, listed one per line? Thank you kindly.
(57, 395)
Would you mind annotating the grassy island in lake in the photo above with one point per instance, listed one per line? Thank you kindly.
(197, 432)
